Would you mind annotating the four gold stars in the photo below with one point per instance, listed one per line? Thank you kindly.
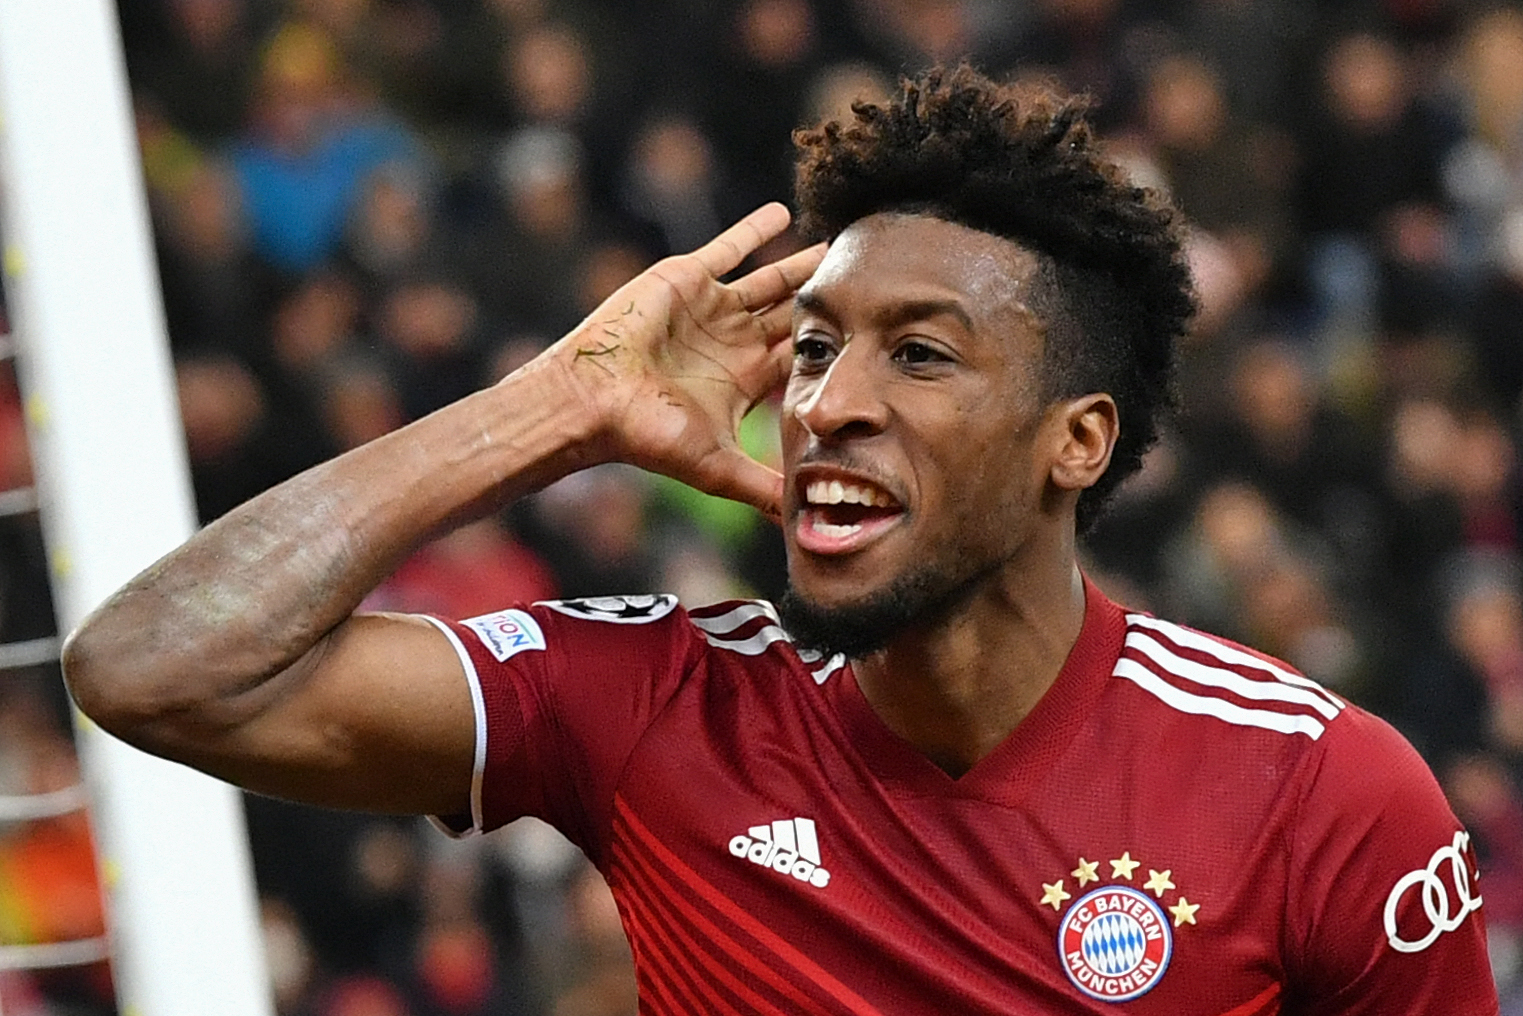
(1085, 872)
(1159, 881)
(1184, 912)
(1123, 866)
(1054, 894)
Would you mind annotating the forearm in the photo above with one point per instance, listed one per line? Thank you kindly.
(218, 621)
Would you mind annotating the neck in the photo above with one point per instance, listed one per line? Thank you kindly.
(957, 687)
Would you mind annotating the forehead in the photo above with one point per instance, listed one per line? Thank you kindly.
(893, 256)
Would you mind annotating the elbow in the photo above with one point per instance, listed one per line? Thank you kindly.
(93, 676)
(124, 693)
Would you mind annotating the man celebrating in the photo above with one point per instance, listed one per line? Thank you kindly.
(949, 776)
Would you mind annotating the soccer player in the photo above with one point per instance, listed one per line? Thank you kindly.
(949, 775)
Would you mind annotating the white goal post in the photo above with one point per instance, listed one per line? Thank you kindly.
(113, 487)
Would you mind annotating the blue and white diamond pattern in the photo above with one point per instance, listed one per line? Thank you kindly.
(1114, 944)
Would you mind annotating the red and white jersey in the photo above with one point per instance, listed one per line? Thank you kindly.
(1181, 826)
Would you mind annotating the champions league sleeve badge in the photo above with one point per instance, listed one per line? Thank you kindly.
(1115, 941)
(616, 609)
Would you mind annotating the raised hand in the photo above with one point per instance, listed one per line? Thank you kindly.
(672, 361)
(239, 653)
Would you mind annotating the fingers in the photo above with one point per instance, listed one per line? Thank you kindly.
(782, 361)
(731, 473)
(782, 366)
(769, 374)
(726, 251)
(779, 280)
(777, 321)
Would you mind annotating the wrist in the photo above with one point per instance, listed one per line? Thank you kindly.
(587, 372)
(554, 415)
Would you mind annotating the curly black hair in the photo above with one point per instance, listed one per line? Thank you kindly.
(1021, 162)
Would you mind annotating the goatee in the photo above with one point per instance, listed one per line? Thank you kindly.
(865, 626)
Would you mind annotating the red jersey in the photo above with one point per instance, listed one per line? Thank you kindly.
(1180, 826)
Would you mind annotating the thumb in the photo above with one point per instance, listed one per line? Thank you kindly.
(730, 472)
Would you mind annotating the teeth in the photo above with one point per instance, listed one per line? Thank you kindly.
(836, 492)
(835, 532)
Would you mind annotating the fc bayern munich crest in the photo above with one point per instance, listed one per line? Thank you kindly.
(1115, 944)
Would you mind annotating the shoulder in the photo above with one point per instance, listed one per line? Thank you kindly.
(643, 609)
(746, 627)
(1232, 690)
(1236, 690)
(1370, 843)
(551, 635)
(636, 628)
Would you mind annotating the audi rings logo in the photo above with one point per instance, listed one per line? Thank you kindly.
(1444, 906)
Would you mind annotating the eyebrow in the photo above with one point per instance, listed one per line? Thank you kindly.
(895, 314)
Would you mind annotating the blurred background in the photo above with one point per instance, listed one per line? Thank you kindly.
(367, 208)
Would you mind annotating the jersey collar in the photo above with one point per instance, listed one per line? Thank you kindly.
(1009, 772)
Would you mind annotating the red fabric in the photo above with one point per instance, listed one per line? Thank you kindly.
(665, 750)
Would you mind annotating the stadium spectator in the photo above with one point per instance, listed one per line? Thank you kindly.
(311, 143)
(983, 353)
(1397, 352)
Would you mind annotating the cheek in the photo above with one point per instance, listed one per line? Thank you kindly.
(995, 476)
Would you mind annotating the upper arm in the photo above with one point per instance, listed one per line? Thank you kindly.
(567, 691)
(1383, 908)
(378, 716)
(523, 712)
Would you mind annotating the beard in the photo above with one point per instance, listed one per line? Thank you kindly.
(860, 628)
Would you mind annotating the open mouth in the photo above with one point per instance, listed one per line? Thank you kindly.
(837, 510)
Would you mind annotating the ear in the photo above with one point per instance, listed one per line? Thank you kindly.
(1089, 426)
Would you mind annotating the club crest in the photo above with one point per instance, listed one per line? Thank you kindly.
(1115, 943)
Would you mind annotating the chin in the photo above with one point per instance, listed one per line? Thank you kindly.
(865, 624)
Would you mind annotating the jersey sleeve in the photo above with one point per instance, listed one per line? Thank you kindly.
(1383, 910)
(562, 692)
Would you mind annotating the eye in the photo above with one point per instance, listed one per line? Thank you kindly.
(918, 354)
(810, 350)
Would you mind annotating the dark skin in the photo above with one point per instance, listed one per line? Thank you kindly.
(918, 372)
(240, 652)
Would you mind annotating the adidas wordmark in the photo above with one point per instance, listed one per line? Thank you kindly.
(788, 846)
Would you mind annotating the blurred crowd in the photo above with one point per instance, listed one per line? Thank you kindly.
(365, 209)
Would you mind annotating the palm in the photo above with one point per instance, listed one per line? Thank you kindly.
(675, 358)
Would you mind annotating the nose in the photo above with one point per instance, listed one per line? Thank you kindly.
(844, 401)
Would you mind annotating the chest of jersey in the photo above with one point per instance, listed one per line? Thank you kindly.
(792, 868)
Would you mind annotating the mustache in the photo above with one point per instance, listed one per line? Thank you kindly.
(846, 461)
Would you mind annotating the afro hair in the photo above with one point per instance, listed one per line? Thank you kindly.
(1021, 162)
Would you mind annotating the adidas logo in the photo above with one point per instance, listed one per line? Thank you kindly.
(788, 846)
